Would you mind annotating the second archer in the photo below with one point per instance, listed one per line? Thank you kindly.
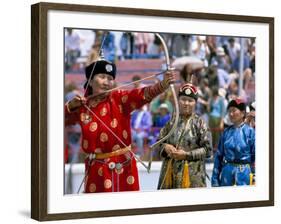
(104, 118)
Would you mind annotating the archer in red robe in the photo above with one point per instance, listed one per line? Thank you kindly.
(106, 133)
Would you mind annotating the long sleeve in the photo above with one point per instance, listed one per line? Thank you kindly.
(204, 141)
(152, 91)
(218, 163)
(136, 98)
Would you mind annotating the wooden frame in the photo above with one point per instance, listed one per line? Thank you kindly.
(39, 106)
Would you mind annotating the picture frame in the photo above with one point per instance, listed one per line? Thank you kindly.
(43, 89)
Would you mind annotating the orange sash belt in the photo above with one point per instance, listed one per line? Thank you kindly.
(109, 154)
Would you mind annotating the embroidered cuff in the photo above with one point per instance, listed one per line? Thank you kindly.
(152, 91)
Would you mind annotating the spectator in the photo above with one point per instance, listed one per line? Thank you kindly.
(155, 104)
(72, 48)
(141, 123)
(125, 45)
(204, 95)
(233, 91)
(212, 44)
(142, 40)
(87, 39)
(236, 63)
(251, 116)
(200, 49)
(223, 77)
(163, 117)
(212, 75)
(216, 116)
(249, 85)
(160, 121)
(221, 60)
(180, 45)
(233, 49)
(154, 48)
(109, 46)
(252, 53)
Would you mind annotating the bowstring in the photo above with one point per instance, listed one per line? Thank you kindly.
(108, 91)
(128, 84)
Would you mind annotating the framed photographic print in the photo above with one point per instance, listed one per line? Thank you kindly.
(111, 88)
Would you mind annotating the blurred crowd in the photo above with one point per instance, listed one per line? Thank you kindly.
(226, 72)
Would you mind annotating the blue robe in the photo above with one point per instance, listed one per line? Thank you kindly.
(235, 157)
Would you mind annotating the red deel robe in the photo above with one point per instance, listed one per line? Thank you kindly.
(114, 111)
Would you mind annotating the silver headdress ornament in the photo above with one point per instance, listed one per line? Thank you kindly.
(101, 56)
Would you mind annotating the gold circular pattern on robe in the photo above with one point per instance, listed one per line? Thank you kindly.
(125, 134)
(124, 98)
(116, 147)
(103, 137)
(107, 184)
(103, 111)
(93, 126)
(92, 188)
(130, 180)
(133, 105)
(114, 123)
(85, 144)
(100, 171)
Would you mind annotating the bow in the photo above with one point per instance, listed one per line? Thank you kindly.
(176, 111)
(176, 106)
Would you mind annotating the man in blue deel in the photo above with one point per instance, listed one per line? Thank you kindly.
(235, 158)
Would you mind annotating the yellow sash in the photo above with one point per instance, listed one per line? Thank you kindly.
(185, 176)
